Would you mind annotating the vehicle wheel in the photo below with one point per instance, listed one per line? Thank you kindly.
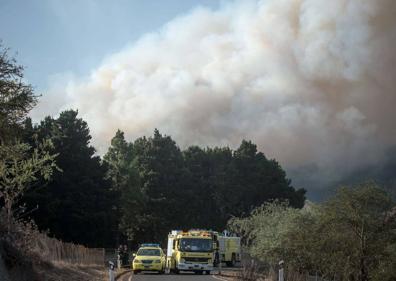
(207, 272)
(176, 271)
(161, 272)
(198, 272)
(136, 272)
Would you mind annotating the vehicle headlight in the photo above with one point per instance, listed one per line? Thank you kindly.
(136, 261)
(182, 260)
(157, 261)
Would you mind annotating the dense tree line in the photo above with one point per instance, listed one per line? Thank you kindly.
(142, 189)
(161, 187)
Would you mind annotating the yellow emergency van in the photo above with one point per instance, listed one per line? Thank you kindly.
(149, 257)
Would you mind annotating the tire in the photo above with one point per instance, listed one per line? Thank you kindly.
(161, 272)
(200, 272)
(136, 272)
(207, 272)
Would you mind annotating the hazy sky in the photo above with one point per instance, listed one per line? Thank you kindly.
(311, 82)
(61, 36)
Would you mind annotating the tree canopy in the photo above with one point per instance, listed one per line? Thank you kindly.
(162, 187)
(16, 97)
(76, 205)
(21, 165)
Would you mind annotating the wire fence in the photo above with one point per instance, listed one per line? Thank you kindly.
(53, 250)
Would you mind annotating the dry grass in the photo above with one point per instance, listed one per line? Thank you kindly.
(67, 272)
(251, 272)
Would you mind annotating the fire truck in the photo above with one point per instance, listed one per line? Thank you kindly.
(190, 250)
(200, 250)
(227, 248)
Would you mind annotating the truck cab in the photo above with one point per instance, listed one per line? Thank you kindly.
(190, 251)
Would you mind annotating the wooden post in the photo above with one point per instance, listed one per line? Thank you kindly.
(111, 271)
(281, 273)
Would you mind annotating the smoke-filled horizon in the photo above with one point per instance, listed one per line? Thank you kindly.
(311, 82)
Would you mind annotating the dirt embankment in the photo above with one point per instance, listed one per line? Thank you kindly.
(67, 272)
(15, 266)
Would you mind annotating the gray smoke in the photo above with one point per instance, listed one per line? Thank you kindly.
(312, 82)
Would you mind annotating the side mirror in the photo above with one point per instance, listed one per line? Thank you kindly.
(134, 254)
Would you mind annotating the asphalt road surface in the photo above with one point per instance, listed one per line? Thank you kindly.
(166, 277)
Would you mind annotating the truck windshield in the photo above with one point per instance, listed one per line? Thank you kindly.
(195, 245)
(148, 252)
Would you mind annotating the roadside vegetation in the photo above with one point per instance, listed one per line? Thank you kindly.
(24, 166)
(351, 236)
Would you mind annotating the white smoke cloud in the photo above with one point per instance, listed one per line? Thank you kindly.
(312, 82)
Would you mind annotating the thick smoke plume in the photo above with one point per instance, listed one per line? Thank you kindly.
(312, 82)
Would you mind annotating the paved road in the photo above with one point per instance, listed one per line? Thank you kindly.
(166, 277)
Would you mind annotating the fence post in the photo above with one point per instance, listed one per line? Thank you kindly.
(281, 276)
(111, 271)
(118, 261)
